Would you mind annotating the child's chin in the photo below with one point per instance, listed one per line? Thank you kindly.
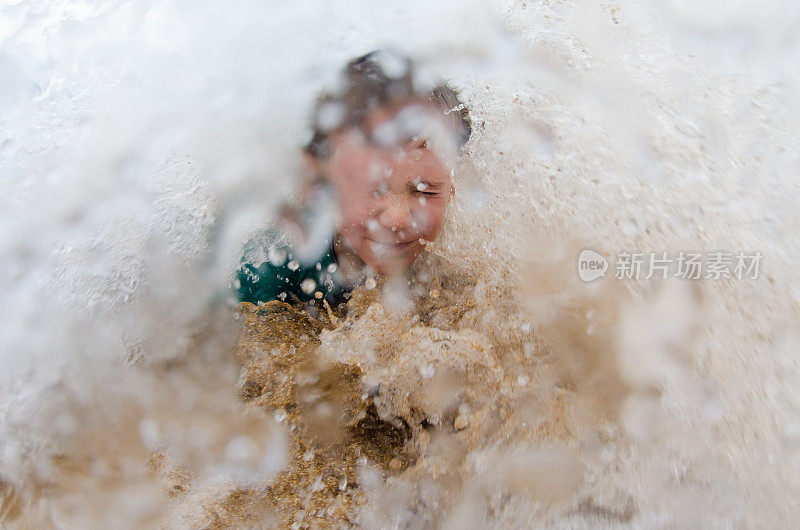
(388, 264)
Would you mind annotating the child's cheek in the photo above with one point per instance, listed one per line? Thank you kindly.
(435, 218)
(356, 209)
(425, 219)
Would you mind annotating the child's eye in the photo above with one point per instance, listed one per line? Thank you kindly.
(423, 188)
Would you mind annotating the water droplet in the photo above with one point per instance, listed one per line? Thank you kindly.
(240, 449)
(393, 65)
(277, 256)
(308, 285)
(426, 371)
(330, 116)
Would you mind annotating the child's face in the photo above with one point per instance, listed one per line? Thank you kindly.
(392, 197)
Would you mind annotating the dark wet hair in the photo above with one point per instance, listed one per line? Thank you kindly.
(380, 78)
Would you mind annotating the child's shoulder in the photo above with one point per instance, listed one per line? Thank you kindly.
(269, 270)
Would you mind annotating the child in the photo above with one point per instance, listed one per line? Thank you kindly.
(379, 165)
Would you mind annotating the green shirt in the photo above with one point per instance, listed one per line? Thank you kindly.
(270, 271)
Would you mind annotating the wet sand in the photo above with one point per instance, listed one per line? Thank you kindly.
(416, 413)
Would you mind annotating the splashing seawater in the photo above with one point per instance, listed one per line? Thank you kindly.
(140, 144)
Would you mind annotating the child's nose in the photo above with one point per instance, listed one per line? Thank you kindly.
(396, 216)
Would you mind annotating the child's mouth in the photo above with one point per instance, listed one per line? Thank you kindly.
(403, 245)
(391, 246)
